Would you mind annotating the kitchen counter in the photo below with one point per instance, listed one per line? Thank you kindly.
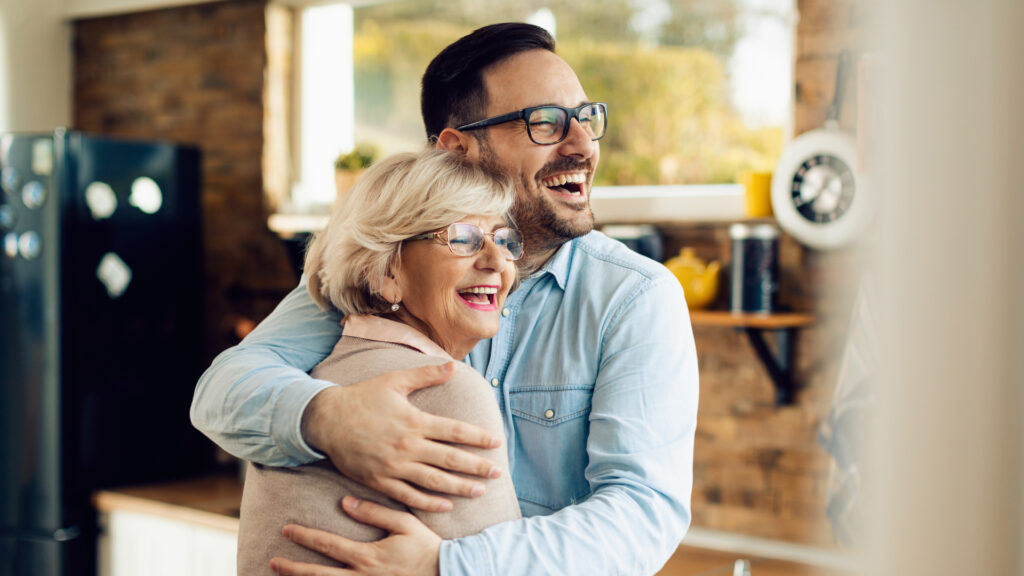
(213, 502)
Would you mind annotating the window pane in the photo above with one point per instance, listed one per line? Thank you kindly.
(698, 90)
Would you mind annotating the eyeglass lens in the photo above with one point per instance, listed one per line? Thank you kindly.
(467, 240)
(548, 125)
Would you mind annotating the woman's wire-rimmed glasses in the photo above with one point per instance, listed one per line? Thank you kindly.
(466, 240)
(547, 125)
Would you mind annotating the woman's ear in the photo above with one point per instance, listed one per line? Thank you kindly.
(389, 288)
(455, 141)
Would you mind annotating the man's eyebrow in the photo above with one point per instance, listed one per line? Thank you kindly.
(581, 103)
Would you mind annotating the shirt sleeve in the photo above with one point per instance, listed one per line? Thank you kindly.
(640, 448)
(250, 401)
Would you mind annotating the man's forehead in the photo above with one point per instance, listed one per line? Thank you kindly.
(532, 78)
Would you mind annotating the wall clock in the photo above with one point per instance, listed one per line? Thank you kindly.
(818, 195)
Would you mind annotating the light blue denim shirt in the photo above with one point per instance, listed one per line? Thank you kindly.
(595, 371)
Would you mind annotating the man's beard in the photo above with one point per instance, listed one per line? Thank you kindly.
(536, 216)
(535, 212)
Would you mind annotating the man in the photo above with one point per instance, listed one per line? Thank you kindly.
(594, 366)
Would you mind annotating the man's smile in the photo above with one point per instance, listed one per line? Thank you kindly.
(569, 183)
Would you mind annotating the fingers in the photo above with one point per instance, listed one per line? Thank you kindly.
(359, 555)
(450, 458)
(423, 377)
(410, 547)
(440, 481)
(436, 480)
(330, 545)
(393, 521)
(458, 432)
(413, 498)
(288, 568)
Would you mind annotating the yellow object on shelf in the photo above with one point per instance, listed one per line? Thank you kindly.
(757, 194)
(698, 278)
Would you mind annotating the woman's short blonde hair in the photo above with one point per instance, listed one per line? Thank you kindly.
(395, 199)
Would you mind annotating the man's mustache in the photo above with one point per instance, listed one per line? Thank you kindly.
(565, 165)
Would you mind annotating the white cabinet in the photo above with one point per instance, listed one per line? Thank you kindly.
(139, 544)
(188, 528)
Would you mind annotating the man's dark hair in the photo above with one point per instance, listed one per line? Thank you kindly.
(453, 87)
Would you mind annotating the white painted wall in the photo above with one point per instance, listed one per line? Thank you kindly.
(35, 65)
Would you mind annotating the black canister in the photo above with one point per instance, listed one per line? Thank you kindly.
(641, 238)
(754, 285)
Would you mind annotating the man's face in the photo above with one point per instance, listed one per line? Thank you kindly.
(553, 182)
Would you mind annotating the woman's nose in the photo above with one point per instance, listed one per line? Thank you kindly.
(491, 257)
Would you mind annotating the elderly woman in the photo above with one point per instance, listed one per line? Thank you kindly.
(419, 260)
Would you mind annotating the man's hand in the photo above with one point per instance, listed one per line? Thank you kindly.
(411, 549)
(374, 436)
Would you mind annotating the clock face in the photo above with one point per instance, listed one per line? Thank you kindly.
(823, 188)
(818, 196)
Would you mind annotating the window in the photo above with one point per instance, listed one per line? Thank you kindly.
(698, 90)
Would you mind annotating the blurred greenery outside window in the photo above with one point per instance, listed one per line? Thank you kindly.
(663, 67)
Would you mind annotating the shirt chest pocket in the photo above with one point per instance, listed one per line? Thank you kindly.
(551, 428)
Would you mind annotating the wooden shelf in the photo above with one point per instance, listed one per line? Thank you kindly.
(776, 321)
(783, 326)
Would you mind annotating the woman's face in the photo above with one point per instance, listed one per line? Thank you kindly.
(456, 300)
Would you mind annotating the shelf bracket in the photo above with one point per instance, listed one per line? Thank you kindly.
(779, 364)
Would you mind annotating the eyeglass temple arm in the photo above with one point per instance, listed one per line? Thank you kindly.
(425, 236)
(492, 121)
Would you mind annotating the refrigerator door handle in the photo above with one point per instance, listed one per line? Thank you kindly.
(58, 535)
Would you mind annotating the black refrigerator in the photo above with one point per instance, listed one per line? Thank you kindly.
(100, 335)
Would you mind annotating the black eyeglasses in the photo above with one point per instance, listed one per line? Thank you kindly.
(466, 240)
(548, 125)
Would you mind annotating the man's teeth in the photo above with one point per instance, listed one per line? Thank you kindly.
(563, 179)
(479, 290)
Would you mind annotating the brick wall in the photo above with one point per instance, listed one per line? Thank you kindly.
(195, 75)
(826, 27)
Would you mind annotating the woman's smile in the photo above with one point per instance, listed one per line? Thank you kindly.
(480, 297)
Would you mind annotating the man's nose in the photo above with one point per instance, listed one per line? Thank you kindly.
(579, 141)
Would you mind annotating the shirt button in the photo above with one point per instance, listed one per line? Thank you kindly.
(549, 414)
(505, 312)
(494, 382)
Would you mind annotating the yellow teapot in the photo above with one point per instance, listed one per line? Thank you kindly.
(699, 279)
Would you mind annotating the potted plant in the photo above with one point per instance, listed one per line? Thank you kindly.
(350, 165)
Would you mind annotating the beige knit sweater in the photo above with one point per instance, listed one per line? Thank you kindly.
(311, 495)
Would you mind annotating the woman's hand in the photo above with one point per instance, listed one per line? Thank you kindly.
(411, 549)
(374, 436)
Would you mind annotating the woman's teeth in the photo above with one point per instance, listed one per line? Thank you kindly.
(479, 294)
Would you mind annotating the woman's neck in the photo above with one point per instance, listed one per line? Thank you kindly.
(456, 351)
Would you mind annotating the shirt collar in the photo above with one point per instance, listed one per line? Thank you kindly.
(384, 330)
(559, 264)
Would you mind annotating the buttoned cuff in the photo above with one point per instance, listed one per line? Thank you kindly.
(461, 558)
(286, 424)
